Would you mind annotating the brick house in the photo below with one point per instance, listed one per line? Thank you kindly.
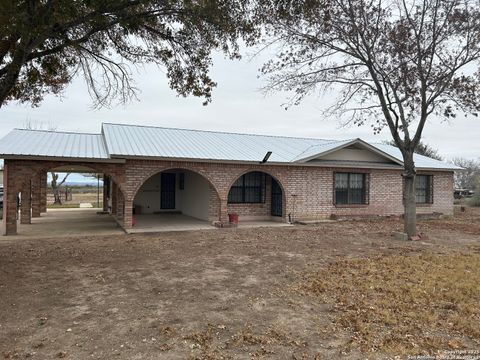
(208, 175)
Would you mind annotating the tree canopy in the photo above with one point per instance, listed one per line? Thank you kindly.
(45, 43)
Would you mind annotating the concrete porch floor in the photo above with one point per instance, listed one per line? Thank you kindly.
(87, 222)
(167, 222)
(69, 222)
(180, 222)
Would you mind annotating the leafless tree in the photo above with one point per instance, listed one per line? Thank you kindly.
(395, 63)
(469, 177)
(56, 185)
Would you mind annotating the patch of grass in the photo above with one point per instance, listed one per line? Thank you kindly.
(403, 304)
(63, 206)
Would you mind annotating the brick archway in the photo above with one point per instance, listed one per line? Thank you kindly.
(139, 181)
(277, 177)
(135, 185)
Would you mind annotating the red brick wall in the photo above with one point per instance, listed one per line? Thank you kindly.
(315, 195)
(442, 194)
(308, 191)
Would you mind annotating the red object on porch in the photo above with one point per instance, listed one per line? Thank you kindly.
(233, 218)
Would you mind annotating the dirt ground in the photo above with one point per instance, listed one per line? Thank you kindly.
(218, 294)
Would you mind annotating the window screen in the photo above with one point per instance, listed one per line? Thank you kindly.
(350, 188)
(249, 188)
(423, 189)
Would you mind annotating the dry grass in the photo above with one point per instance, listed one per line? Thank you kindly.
(465, 222)
(403, 304)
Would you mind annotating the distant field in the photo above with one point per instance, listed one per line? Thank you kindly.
(80, 194)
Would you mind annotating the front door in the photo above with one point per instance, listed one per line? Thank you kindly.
(276, 199)
(167, 191)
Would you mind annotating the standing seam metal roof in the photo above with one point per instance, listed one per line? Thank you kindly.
(194, 144)
(123, 141)
(21, 142)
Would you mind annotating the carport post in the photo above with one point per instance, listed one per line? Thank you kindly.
(10, 211)
(26, 205)
(106, 179)
(36, 195)
(120, 206)
(43, 192)
(114, 198)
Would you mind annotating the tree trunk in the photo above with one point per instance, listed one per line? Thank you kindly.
(56, 188)
(410, 205)
(56, 196)
(9, 79)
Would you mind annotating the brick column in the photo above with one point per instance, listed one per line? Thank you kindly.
(10, 210)
(114, 198)
(26, 205)
(106, 187)
(43, 192)
(36, 196)
(128, 214)
(223, 210)
(120, 206)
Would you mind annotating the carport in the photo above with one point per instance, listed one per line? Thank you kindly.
(28, 156)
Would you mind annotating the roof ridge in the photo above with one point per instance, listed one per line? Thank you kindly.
(221, 132)
(59, 131)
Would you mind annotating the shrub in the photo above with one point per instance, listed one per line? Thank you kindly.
(475, 200)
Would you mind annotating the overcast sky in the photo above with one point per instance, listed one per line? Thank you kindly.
(238, 106)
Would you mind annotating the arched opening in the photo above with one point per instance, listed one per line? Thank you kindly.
(72, 187)
(175, 199)
(257, 196)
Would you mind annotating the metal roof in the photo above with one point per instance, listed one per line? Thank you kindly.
(156, 142)
(120, 141)
(146, 141)
(40, 143)
(421, 162)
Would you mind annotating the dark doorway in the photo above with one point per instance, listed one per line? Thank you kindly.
(276, 199)
(167, 191)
